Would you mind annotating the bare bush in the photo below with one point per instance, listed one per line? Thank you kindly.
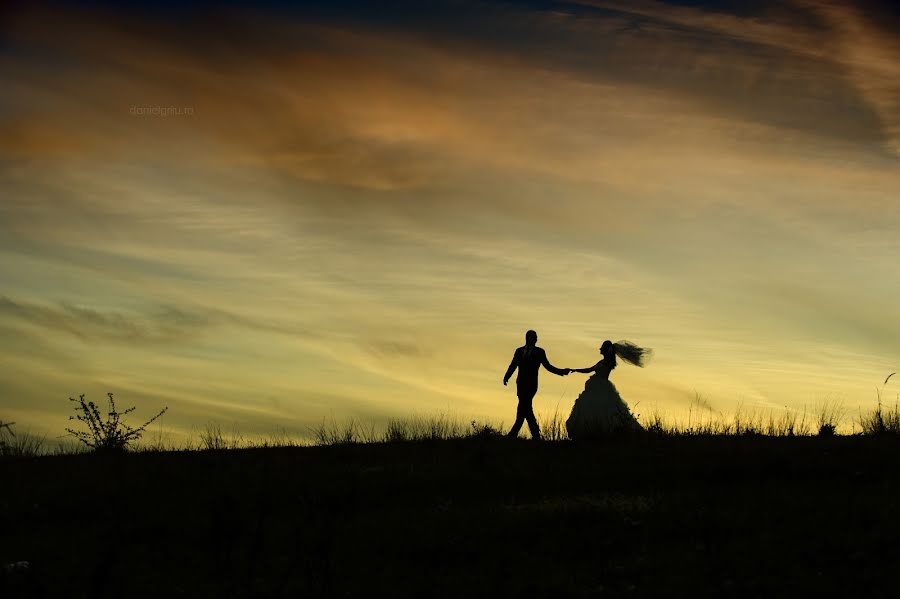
(111, 434)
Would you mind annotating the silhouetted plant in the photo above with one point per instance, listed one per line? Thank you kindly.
(397, 430)
(280, 439)
(22, 445)
(484, 430)
(829, 418)
(111, 434)
(428, 428)
(553, 427)
(881, 421)
(440, 427)
(214, 439)
(336, 434)
(5, 431)
(655, 423)
(7, 437)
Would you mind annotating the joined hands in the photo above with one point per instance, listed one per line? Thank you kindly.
(565, 372)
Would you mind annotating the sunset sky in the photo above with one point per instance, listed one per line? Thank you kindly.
(265, 215)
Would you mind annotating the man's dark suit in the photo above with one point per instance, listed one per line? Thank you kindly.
(528, 359)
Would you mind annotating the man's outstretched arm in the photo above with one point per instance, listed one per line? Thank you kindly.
(512, 367)
(560, 371)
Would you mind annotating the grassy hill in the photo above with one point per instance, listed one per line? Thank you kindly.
(646, 515)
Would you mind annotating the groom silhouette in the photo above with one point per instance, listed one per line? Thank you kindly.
(528, 359)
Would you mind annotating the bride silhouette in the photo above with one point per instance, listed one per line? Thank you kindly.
(600, 409)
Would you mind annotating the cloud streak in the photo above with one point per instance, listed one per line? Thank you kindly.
(159, 325)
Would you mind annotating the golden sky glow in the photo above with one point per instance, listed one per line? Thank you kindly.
(363, 213)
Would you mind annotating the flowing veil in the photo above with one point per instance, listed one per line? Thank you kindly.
(633, 354)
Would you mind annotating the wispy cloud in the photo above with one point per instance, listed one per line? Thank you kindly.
(160, 324)
(166, 325)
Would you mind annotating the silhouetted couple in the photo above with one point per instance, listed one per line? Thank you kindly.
(598, 409)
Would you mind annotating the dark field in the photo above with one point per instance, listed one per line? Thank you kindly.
(640, 516)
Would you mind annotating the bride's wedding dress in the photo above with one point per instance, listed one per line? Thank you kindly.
(600, 409)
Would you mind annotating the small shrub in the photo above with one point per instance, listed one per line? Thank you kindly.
(483, 430)
(827, 430)
(111, 434)
(828, 418)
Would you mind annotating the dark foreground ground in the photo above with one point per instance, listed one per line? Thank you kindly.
(647, 516)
